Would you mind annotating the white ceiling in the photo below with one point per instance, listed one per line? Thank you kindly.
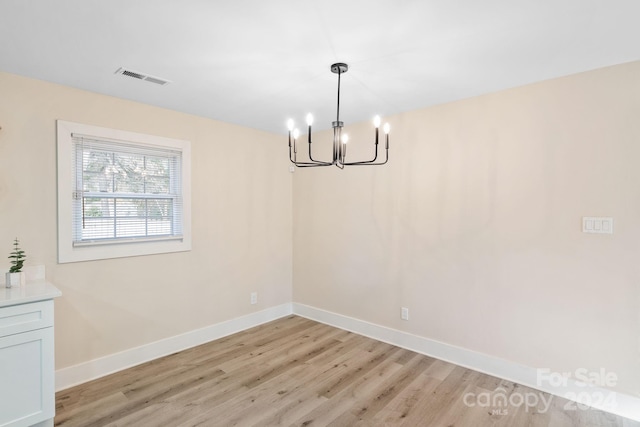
(256, 63)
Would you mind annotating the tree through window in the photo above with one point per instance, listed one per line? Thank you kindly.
(128, 190)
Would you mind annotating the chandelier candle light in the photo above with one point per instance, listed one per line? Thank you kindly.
(339, 139)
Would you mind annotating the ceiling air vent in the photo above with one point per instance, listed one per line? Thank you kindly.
(141, 76)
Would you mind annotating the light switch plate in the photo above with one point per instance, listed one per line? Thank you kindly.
(597, 224)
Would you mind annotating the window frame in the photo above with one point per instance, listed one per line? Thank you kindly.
(126, 247)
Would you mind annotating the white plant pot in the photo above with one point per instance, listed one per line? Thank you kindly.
(13, 280)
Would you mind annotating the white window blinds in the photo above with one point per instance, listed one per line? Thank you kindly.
(125, 191)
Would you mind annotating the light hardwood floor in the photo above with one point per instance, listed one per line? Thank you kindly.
(294, 371)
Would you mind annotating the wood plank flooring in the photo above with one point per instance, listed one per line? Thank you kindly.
(297, 372)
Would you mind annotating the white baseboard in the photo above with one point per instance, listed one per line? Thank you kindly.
(617, 403)
(87, 371)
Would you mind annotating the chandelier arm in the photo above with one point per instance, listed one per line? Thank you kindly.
(386, 159)
(373, 162)
(311, 157)
(366, 162)
(294, 159)
(311, 165)
(297, 163)
(295, 151)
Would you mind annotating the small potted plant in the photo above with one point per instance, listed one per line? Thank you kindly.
(15, 277)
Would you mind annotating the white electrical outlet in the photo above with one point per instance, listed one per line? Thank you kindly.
(404, 313)
(254, 297)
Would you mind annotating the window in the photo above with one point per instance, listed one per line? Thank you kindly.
(121, 193)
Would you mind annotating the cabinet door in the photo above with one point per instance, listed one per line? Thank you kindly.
(26, 378)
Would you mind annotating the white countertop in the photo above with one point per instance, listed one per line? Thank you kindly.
(31, 292)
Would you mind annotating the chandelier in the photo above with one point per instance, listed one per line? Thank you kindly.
(339, 139)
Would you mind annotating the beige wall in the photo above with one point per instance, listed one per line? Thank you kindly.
(475, 226)
(241, 190)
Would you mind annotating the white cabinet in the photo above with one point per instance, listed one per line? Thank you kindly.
(27, 390)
